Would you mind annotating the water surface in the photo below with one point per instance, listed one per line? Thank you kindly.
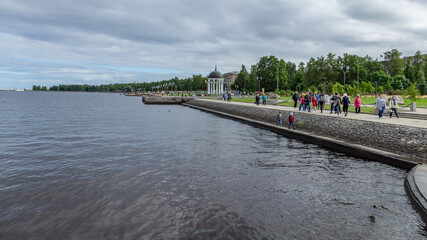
(106, 166)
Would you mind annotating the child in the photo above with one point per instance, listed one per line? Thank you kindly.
(291, 121)
(279, 119)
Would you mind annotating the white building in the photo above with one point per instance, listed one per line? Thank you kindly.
(215, 83)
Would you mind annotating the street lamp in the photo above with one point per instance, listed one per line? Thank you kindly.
(277, 77)
(376, 92)
(344, 70)
(358, 72)
(259, 83)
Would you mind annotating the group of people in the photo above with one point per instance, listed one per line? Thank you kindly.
(226, 96)
(381, 106)
(318, 101)
(264, 99)
(305, 100)
(291, 119)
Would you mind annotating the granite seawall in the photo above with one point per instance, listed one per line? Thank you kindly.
(405, 142)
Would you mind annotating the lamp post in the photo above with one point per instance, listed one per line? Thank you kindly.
(376, 91)
(358, 72)
(344, 70)
(277, 77)
(299, 88)
(259, 83)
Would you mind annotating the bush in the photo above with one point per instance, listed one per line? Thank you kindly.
(413, 92)
(352, 90)
(281, 92)
(367, 88)
(338, 88)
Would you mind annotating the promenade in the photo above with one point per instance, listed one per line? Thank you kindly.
(351, 114)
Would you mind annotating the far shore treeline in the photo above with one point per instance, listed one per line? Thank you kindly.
(391, 73)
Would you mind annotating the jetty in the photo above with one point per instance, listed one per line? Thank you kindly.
(155, 99)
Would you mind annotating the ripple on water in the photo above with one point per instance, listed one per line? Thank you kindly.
(105, 166)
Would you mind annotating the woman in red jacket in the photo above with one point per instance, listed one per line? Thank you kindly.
(314, 101)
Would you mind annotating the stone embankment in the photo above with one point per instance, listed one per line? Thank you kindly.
(407, 142)
(165, 99)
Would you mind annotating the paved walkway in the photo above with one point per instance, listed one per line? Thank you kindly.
(421, 179)
(351, 114)
(416, 188)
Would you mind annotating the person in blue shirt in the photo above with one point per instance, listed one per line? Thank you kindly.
(264, 99)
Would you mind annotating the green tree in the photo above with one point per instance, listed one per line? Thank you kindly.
(272, 70)
(403, 80)
(412, 92)
(367, 88)
(381, 78)
(422, 86)
(418, 61)
(393, 63)
(410, 72)
(352, 90)
(253, 81)
(242, 80)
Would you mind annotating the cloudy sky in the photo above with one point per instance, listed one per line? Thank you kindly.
(50, 42)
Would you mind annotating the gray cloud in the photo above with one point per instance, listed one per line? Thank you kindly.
(192, 36)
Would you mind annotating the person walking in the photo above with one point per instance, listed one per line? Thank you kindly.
(264, 99)
(291, 121)
(393, 106)
(229, 97)
(301, 102)
(314, 101)
(224, 96)
(337, 103)
(279, 119)
(381, 105)
(331, 101)
(295, 98)
(357, 103)
(257, 98)
(321, 101)
(307, 101)
(345, 104)
(316, 96)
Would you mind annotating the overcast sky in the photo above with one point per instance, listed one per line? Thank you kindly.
(55, 42)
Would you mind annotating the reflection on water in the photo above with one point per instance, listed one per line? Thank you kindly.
(105, 166)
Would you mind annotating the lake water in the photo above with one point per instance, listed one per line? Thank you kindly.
(106, 166)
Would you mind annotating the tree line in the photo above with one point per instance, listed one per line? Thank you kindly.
(194, 83)
(391, 73)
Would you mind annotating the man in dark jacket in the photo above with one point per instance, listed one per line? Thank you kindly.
(295, 98)
(307, 100)
(321, 101)
(257, 98)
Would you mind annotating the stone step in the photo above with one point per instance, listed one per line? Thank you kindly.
(412, 115)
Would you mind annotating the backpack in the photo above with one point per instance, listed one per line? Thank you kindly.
(322, 98)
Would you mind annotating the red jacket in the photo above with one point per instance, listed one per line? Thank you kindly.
(314, 101)
(291, 118)
(302, 99)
